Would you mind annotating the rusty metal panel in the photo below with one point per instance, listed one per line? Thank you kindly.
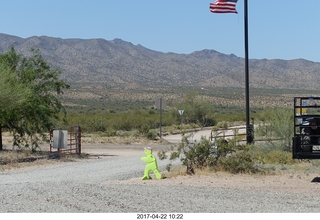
(60, 139)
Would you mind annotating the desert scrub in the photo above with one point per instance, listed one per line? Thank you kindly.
(276, 157)
(221, 155)
(272, 153)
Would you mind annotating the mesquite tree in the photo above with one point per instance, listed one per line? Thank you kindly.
(40, 103)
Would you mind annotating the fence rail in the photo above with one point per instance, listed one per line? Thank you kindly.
(239, 131)
(228, 133)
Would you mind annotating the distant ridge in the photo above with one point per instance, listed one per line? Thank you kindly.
(117, 63)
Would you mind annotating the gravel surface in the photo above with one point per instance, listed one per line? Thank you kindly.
(109, 182)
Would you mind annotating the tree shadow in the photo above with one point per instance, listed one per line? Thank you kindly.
(99, 156)
(316, 180)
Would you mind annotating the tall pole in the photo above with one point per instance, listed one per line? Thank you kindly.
(1, 138)
(248, 130)
(160, 117)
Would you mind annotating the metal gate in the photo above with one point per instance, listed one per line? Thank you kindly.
(306, 139)
(230, 133)
(65, 140)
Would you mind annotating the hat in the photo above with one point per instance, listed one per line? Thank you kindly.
(148, 148)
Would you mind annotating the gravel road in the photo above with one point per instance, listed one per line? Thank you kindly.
(109, 182)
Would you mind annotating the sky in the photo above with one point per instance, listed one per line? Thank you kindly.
(277, 29)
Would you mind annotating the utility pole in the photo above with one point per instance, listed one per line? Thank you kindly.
(1, 138)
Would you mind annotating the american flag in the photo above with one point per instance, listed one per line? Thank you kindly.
(223, 6)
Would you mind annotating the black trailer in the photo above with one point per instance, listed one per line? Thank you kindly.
(306, 139)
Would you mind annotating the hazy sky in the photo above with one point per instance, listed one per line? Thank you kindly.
(278, 29)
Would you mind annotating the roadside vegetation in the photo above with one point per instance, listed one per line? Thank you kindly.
(35, 85)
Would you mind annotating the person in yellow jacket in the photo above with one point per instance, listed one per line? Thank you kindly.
(151, 165)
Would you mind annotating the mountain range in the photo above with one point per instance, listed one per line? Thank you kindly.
(117, 63)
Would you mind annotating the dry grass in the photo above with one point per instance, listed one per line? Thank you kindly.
(92, 139)
(181, 171)
(11, 159)
(14, 159)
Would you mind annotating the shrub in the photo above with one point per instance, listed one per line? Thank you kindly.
(144, 129)
(151, 135)
(270, 153)
(241, 162)
(278, 122)
(276, 157)
(223, 155)
(111, 133)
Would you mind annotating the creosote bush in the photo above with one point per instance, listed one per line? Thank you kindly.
(222, 155)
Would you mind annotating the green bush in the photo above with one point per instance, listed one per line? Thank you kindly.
(222, 155)
(117, 121)
(144, 129)
(240, 162)
(271, 153)
(276, 157)
(151, 135)
(108, 133)
(277, 123)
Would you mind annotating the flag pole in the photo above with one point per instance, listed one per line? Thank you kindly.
(228, 6)
(249, 129)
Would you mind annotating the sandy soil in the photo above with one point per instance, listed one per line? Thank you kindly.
(297, 181)
(290, 183)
